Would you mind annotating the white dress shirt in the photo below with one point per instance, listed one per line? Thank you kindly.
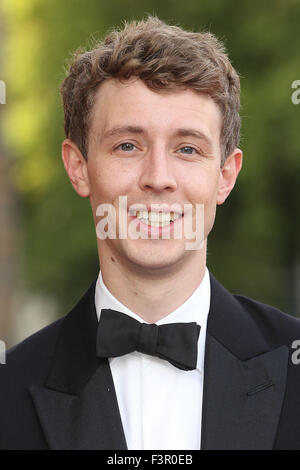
(160, 405)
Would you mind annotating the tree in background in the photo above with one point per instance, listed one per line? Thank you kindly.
(254, 247)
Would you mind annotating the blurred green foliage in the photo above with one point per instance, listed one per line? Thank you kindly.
(254, 247)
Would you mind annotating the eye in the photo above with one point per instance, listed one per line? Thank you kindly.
(126, 147)
(187, 150)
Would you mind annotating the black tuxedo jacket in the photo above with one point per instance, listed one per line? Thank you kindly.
(55, 393)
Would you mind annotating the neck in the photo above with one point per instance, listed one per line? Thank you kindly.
(153, 294)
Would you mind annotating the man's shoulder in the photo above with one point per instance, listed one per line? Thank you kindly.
(31, 359)
(44, 341)
(41, 339)
(248, 327)
(273, 323)
(34, 352)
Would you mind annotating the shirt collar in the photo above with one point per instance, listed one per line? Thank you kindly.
(194, 309)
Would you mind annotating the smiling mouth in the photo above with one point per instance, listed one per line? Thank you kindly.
(156, 219)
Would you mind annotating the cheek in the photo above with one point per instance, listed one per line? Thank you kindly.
(108, 182)
(203, 189)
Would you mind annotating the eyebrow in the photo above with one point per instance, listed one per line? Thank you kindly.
(181, 132)
(119, 130)
(187, 132)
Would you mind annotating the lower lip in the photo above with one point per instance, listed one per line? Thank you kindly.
(156, 232)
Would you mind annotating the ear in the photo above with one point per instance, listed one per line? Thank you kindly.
(76, 167)
(229, 174)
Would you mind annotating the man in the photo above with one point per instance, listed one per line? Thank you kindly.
(156, 354)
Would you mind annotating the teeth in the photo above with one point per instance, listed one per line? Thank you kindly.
(156, 219)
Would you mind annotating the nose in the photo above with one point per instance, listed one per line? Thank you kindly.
(157, 174)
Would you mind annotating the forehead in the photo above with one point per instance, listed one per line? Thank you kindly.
(132, 103)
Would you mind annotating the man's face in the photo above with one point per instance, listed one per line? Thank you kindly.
(154, 148)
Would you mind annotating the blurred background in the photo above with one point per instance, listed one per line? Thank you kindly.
(48, 253)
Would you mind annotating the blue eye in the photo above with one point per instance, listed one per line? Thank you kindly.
(126, 147)
(187, 150)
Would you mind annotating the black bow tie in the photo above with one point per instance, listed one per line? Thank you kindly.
(119, 334)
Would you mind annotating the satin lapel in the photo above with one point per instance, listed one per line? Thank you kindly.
(242, 399)
(77, 407)
(244, 379)
(90, 420)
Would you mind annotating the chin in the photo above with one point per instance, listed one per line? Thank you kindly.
(155, 258)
